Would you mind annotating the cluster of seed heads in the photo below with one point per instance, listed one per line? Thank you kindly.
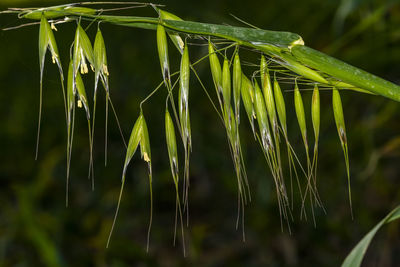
(265, 105)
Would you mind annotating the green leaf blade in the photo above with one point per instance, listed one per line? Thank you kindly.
(345, 72)
(356, 256)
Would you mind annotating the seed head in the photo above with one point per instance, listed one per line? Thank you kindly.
(339, 117)
(268, 94)
(280, 105)
(315, 112)
(226, 84)
(162, 46)
(145, 143)
(301, 118)
(215, 67)
(100, 59)
(247, 98)
(171, 144)
(237, 84)
(262, 117)
(184, 98)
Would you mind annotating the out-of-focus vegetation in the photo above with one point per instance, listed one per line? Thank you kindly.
(36, 228)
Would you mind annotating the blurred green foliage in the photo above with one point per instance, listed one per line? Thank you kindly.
(37, 230)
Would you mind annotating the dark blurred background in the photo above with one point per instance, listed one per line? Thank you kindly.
(36, 229)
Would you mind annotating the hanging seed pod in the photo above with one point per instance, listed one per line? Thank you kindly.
(215, 67)
(139, 135)
(173, 160)
(171, 145)
(226, 86)
(47, 41)
(82, 51)
(86, 47)
(315, 113)
(270, 106)
(134, 140)
(339, 118)
(262, 117)
(162, 46)
(315, 116)
(100, 60)
(101, 72)
(184, 97)
(247, 98)
(268, 95)
(237, 85)
(145, 143)
(280, 106)
(281, 110)
(271, 154)
(184, 118)
(340, 125)
(146, 156)
(301, 118)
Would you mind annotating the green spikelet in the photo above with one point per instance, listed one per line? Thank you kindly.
(237, 85)
(301, 119)
(269, 150)
(82, 51)
(281, 110)
(315, 116)
(173, 160)
(162, 46)
(101, 73)
(340, 125)
(247, 93)
(262, 118)
(216, 72)
(280, 106)
(47, 41)
(139, 136)
(268, 95)
(184, 117)
(226, 88)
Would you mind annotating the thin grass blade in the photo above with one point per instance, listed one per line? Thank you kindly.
(355, 257)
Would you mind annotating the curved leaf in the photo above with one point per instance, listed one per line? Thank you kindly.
(356, 256)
